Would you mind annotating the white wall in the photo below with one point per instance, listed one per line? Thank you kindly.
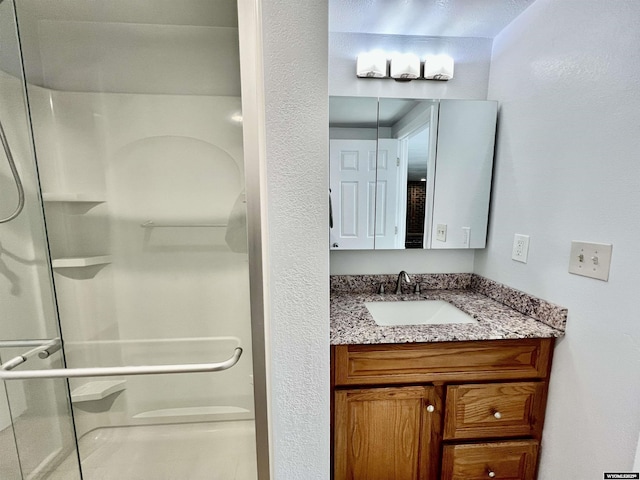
(177, 159)
(636, 462)
(473, 56)
(167, 158)
(363, 262)
(297, 153)
(129, 54)
(566, 75)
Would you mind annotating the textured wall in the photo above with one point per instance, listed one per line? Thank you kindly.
(297, 129)
(566, 75)
(636, 462)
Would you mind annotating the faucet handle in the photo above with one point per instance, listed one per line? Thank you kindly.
(381, 288)
(417, 289)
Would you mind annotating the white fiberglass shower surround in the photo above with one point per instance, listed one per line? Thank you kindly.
(127, 294)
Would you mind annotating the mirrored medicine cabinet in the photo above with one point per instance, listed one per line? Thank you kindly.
(410, 173)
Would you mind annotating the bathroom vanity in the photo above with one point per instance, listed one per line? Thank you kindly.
(440, 401)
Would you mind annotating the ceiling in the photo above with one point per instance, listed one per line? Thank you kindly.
(432, 18)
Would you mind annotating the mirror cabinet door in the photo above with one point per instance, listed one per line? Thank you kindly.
(410, 173)
(407, 132)
(464, 166)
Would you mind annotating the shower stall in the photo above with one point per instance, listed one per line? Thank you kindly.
(128, 297)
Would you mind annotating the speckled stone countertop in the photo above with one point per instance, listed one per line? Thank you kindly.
(501, 312)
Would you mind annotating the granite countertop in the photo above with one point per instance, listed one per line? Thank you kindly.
(501, 312)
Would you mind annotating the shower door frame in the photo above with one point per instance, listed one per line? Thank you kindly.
(254, 148)
(251, 67)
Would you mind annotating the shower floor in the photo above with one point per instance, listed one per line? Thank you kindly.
(195, 451)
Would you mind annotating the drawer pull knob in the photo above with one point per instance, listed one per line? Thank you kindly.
(430, 408)
(492, 474)
(497, 415)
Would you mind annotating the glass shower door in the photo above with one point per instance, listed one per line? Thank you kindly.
(137, 126)
(36, 428)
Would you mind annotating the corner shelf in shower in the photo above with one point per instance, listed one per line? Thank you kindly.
(80, 262)
(72, 197)
(97, 390)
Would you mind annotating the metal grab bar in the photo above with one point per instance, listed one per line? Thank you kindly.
(24, 343)
(43, 351)
(47, 352)
(121, 371)
(152, 224)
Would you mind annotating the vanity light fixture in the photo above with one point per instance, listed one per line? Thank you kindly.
(372, 64)
(438, 67)
(405, 66)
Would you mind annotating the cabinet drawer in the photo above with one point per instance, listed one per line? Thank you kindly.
(514, 460)
(442, 362)
(494, 410)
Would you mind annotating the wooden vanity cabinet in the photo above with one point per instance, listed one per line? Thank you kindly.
(451, 411)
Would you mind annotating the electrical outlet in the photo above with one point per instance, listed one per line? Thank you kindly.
(591, 259)
(441, 232)
(520, 250)
(466, 237)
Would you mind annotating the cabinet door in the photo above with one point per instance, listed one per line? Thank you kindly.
(387, 433)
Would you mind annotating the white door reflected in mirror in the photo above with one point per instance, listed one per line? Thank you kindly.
(353, 180)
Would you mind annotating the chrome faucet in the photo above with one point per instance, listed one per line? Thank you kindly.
(399, 285)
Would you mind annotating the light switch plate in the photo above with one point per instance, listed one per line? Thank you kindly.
(520, 250)
(466, 236)
(441, 232)
(591, 259)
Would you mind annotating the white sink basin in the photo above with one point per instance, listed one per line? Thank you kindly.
(420, 312)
